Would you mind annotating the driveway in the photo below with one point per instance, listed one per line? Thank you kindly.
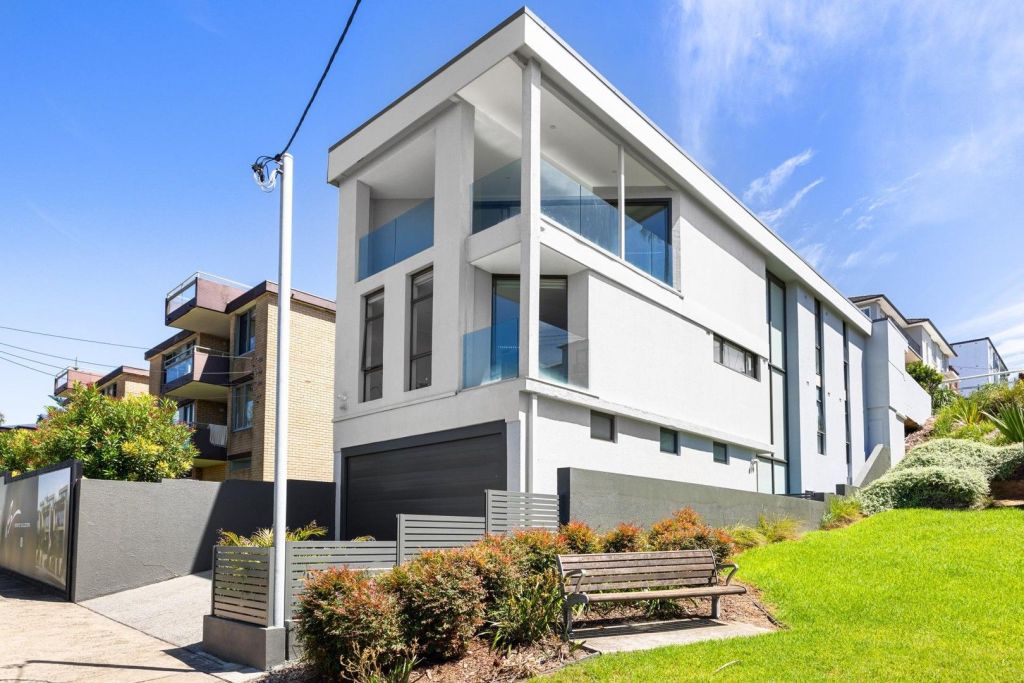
(44, 638)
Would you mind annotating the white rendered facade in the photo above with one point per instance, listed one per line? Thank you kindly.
(645, 291)
(979, 363)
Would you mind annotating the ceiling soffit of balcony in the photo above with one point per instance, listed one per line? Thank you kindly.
(198, 319)
(506, 262)
(200, 391)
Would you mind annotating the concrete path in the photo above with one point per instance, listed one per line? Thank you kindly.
(44, 638)
(171, 610)
(652, 634)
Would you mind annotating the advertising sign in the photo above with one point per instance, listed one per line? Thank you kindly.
(34, 525)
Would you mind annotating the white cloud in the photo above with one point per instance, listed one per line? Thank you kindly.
(762, 189)
(814, 253)
(774, 217)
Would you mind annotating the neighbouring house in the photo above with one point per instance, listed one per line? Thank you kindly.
(221, 369)
(925, 342)
(124, 381)
(532, 276)
(12, 428)
(69, 377)
(979, 363)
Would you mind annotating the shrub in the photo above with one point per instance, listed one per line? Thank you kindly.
(344, 620)
(685, 530)
(442, 601)
(500, 571)
(536, 549)
(942, 397)
(954, 454)
(841, 512)
(928, 377)
(264, 538)
(778, 528)
(935, 487)
(529, 613)
(745, 536)
(578, 537)
(1010, 422)
(1009, 462)
(625, 538)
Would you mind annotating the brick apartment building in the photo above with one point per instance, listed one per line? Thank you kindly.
(221, 369)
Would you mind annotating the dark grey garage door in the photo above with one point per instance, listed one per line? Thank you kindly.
(441, 473)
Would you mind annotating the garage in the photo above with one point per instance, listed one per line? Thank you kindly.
(441, 473)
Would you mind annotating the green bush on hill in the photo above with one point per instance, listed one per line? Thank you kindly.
(929, 487)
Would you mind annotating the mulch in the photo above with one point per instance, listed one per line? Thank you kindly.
(481, 664)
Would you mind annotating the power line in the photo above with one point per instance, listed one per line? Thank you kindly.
(54, 355)
(42, 372)
(261, 163)
(32, 360)
(79, 339)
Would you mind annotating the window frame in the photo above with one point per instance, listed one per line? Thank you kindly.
(250, 317)
(724, 460)
(366, 370)
(674, 434)
(613, 432)
(718, 355)
(413, 301)
(246, 389)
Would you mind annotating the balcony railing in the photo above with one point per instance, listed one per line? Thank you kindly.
(211, 440)
(496, 196)
(491, 354)
(569, 203)
(397, 240)
(648, 251)
(196, 364)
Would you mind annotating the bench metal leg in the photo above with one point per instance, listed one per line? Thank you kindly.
(714, 607)
(568, 621)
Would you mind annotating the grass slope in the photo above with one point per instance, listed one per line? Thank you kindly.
(913, 595)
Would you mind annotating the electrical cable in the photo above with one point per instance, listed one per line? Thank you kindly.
(61, 336)
(42, 372)
(259, 167)
(54, 355)
(33, 360)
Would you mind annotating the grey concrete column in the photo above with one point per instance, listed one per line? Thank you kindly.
(529, 273)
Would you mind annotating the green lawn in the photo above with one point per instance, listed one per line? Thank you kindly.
(909, 595)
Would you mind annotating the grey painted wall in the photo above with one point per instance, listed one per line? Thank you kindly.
(602, 500)
(130, 534)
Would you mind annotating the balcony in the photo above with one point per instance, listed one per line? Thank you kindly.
(197, 373)
(211, 440)
(575, 207)
(496, 196)
(491, 355)
(398, 239)
(200, 303)
(71, 376)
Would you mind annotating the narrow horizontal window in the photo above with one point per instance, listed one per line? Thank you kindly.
(720, 452)
(735, 357)
(602, 426)
(669, 440)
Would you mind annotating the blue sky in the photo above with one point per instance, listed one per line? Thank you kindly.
(883, 140)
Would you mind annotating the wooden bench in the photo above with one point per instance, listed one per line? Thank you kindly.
(631, 577)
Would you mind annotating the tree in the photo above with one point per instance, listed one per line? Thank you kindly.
(134, 438)
(928, 377)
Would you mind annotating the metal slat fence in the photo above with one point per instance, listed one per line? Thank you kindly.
(305, 556)
(417, 533)
(242, 580)
(508, 510)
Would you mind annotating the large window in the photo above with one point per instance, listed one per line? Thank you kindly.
(421, 313)
(819, 365)
(245, 332)
(649, 236)
(821, 420)
(373, 345)
(241, 406)
(186, 413)
(777, 390)
(846, 388)
(735, 357)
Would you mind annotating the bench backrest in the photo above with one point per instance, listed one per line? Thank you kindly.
(628, 571)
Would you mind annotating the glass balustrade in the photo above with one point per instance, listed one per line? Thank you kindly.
(569, 203)
(397, 240)
(496, 196)
(491, 354)
(179, 366)
(646, 245)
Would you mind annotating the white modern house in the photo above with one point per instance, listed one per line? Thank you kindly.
(532, 275)
(925, 342)
(979, 363)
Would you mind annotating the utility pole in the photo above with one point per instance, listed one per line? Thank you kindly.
(284, 305)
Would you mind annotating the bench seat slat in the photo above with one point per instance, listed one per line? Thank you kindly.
(647, 555)
(626, 563)
(674, 570)
(617, 585)
(707, 591)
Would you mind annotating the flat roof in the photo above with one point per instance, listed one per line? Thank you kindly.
(123, 370)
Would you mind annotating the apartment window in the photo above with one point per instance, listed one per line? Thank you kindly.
(846, 388)
(186, 413)
(602, 426)
(110, 390)
(720, 452)
(735, 357)
(245, 332)
(240, 465)
(241, 406)
(421, 313)
(819, 333)
(373, 345)
(821, 420)
(669, 441)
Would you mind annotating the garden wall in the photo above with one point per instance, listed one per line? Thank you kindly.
(130, 534)
(603, 499)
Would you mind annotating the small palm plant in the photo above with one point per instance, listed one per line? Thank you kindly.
(1010, 422)
(264, 538)
(966, 412)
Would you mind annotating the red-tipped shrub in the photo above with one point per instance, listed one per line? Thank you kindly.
(536, 550)
(342, 615)
(625, 538)
(580, 538)
(685, 530)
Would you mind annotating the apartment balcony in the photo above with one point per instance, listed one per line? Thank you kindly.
(212, 442)
(491, 355)
(197, 373)
(396, 240)
(69, 377)
(200, 303)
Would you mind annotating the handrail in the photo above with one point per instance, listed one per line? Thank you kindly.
(184, 284)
